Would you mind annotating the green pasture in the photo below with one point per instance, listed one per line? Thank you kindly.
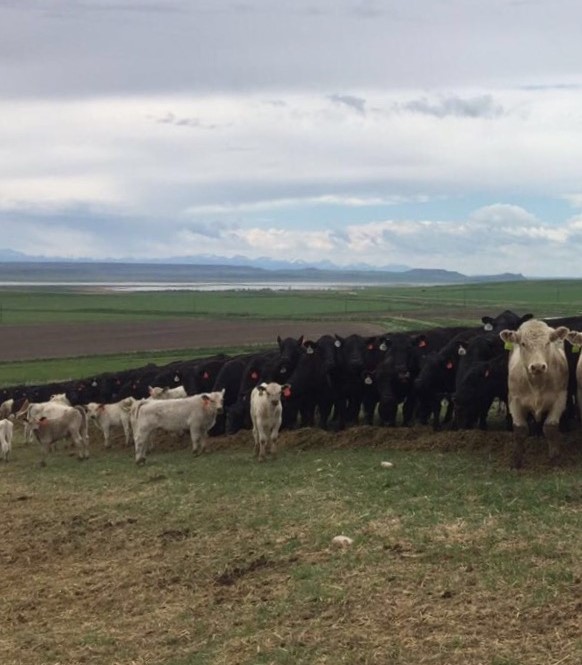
(425, 306)
(63, 369)
(221, 560)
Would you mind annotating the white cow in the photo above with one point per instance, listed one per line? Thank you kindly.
(106, 416)
(537, 382)
(36, 410)
(71, 424)
(6, 430)
(575, 338)
(266, 416)
(167, 393)
(196, 414)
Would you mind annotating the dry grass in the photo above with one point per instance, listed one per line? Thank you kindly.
(221, 560)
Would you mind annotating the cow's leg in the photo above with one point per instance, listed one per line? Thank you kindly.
(551, 425)
(257, 449)
(127, 431)
(77, 438)
(106, 429)
(408, 410)
(520, 431)
(141, 445)
(262, 436)
(198, 437)
(273, 443)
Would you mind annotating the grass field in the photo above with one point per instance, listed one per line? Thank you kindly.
(220, 560)
(59, 369)
(432, 305)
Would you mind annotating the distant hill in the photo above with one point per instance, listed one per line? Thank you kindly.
(94, 272)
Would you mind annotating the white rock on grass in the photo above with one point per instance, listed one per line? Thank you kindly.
(386, 465)
(342, 541)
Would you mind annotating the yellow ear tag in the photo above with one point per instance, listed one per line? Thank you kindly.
(508, 346)
(576, 348)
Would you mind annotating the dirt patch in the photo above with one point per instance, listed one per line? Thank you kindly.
(70, 340)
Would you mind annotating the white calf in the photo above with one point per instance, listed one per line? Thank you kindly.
(6, 408)
(72, 424)
(106, 416)
(266, 416)
(537, 381)
(6, 429)
(196, 414)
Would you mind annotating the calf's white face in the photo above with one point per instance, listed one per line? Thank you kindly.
(271, 392)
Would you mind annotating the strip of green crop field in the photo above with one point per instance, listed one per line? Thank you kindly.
(543, 298)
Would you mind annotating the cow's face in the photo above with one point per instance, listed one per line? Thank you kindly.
(534, 340)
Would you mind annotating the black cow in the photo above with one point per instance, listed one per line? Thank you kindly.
(396, 374)
(353, 351)
(256, 371)
(309, 389)
(480, 349)
(229, 379)
(481, 383)
(506, 320)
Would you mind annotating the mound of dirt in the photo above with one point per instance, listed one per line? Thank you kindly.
(496, 443)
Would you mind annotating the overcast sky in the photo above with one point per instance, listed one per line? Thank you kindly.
(431, 133)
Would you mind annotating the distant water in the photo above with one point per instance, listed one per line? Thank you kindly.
(195, 286)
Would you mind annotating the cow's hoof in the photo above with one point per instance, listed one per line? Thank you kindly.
(42, 463)
(140, 461)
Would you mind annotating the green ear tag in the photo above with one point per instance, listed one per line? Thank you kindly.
(508, 346)
(575, 348)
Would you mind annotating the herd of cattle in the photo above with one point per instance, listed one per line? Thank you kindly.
(333, 382)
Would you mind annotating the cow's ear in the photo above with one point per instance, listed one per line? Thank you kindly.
(279, 341)
(574, 337)
(205, 398)
(559, 333)
(421, 341)
(300, 340)
(150, 391)
(509, 336)
(262, 387)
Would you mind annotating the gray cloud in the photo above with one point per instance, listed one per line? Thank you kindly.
(482, 106)
(355, 103)
(170, 119)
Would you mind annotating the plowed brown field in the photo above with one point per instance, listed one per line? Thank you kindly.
(67, 340)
